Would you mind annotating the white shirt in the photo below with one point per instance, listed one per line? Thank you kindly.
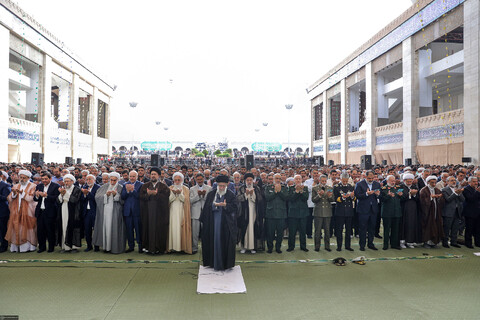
(309, 184)
(45, 189)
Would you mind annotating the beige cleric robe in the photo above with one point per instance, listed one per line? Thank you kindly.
(22, 225)
(180, 227)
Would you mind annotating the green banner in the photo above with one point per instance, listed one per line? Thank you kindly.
(266, 146)
(156, 145)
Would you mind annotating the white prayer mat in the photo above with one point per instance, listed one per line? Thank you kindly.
(228, 281)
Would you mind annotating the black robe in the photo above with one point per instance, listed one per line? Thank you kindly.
(432, 222)
(243, 219)
(228, 230)
(75, 220)
(411, 223)
(155, 217)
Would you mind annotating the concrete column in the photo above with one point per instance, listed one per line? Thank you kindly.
(4, 92)
(94, 122)
(425, 84)
(370, 109)
(325, 124)
(410, 98)
(471, 80)
(73, 121)
(107, 125)
(343, 122)
(46, 109)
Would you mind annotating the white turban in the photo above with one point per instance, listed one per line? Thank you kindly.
(178, 174)
(69, 176)
(407, 169)
(408, 176)
(25, 173)
(5, 174)
(431, 178)
(71, 168)
(114, 174)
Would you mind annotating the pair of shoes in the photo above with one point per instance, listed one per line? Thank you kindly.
(445, 245)
(455, 245)
(50, 250)
(339, 249)
(269, 250)
(242, 251)
(97, 248)
(88, 249)
(253, 251)
(309, 237)
(328, 249)
(385, 248)
(372, 247)
(278, 251)
(398, 248)
(317, 249)
(349, 249)
(403, 246)
(426, 246)
(304, 249)
(378, 236)
(289, 249)
(140, 250)
(40, 250)
(194, 252)
(362, 249)
(469, 246)
(129, 250)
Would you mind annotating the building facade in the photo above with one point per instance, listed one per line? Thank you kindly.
(410, 92)
(52, 103)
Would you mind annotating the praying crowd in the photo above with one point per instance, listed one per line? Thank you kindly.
(229, 209)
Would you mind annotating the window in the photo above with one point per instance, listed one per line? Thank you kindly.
(102, 119)
(60, 101)
(318, 118)
(335, 114)
(23, 88)
(84, 112)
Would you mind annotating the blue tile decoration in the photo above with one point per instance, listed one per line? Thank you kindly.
(442, 132)
(334, 146)
(17, 134)
(359, 143)
(389, 139)
(429, 14)
(318, 149)
(57, 140)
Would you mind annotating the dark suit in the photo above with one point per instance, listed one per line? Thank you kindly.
(471, 212)
(452, 214)
(89, 212)
(46, 217)
(5, 190)
(131, 213)
(367, 209)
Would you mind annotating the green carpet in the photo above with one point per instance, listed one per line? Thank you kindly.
(406, 284)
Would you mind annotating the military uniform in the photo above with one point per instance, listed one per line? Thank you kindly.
(275, 215)
(297, 217)
(322, 214)
(344, 213)
(391, 214)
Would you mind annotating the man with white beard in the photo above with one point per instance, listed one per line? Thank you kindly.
(69, 202)
(250, 221)
(21, 232)
(219, 232)
(179, 228)
(197, 200)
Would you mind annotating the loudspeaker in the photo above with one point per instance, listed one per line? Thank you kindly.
(366, 162)
(249, 162)
(69, 160)
(384, 162)
(321, 161)
(37, 158)
(277, 162)
(79, 160)
(330, 162)
(242, 161)
(162, 162)
(408, 161)
(466, 159)
(154, 159)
